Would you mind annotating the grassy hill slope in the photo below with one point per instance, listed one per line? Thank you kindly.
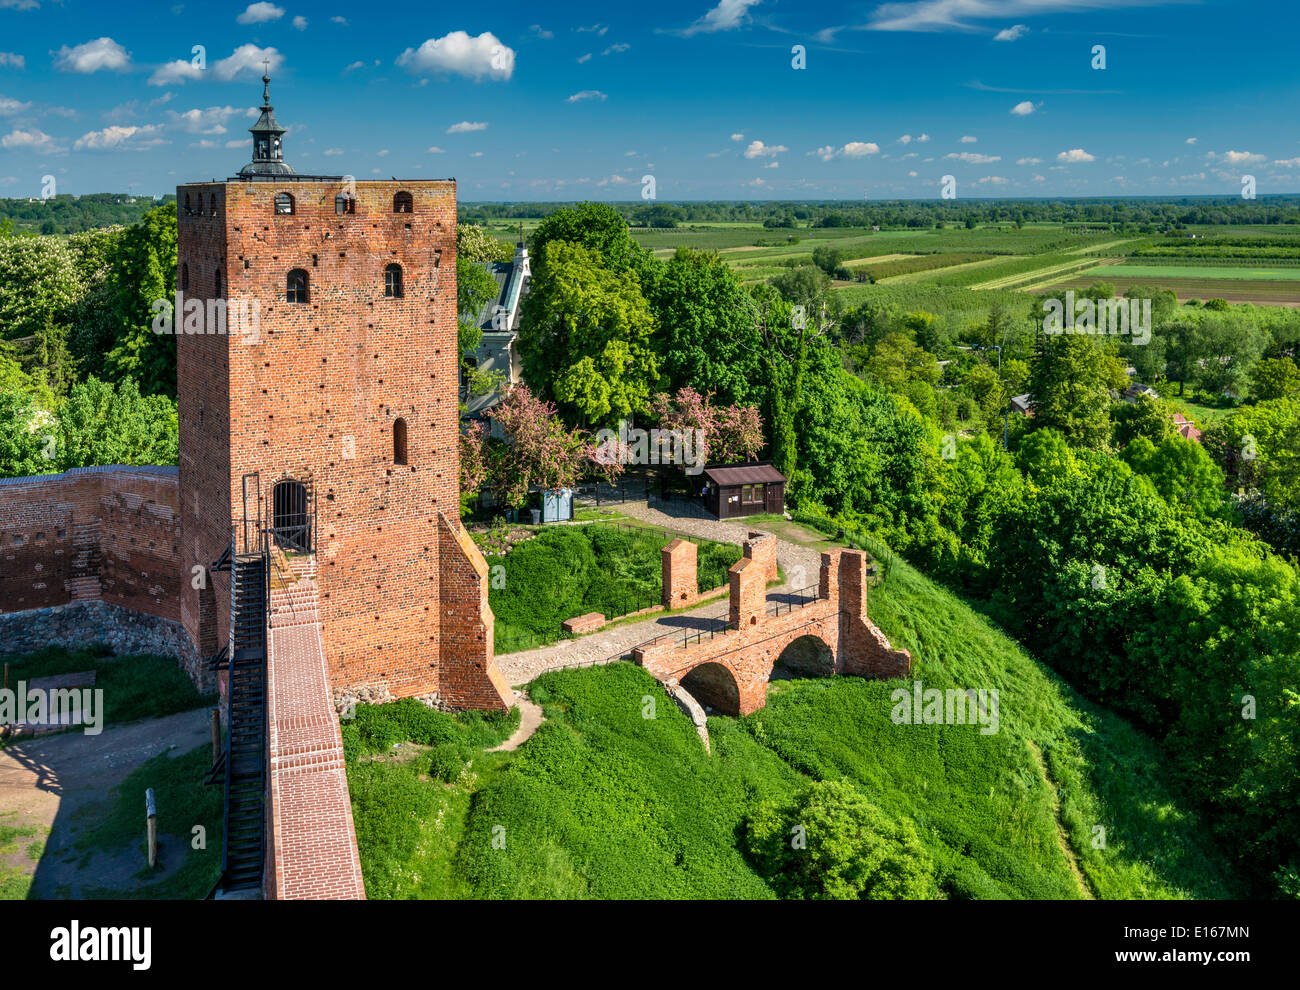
(604, 802)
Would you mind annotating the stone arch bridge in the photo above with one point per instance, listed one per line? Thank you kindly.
(729, 669)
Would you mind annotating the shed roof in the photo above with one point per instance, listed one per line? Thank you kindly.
(748, 474)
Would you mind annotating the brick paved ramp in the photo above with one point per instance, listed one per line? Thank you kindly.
(312, 844)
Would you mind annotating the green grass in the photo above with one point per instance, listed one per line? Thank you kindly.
(135, 687)
(572, 570)
(603, 802)
(183, 802)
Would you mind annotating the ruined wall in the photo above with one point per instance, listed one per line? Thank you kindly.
(91, 534)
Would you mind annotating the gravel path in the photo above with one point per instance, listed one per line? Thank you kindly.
(800, 564)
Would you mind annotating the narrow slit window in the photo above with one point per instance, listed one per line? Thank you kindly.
(393, 281)
(399, 441)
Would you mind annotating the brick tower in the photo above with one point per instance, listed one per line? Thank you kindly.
(329, 412)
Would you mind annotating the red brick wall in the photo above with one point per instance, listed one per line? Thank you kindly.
(316, 395)
(106, 533)
(761, 547)
(680, 581)
(748, 593)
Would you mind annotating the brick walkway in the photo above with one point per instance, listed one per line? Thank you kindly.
(314, 845)
(801, 566)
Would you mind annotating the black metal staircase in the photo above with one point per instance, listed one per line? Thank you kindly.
(242, 767)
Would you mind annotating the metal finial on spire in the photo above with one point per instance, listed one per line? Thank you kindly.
(266, 82)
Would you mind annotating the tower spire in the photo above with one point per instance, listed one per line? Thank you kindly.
(268, 155)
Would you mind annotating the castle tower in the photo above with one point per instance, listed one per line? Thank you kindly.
(329, 412)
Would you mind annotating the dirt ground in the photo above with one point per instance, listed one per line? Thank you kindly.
(46, 780)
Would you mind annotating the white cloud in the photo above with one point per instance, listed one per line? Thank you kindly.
(1011, 33)
(13, 59)
(905, 139)
(857, 149)
(120, 139)
(34, 139)
(586, 94)
(996, 180)
(260, 13)
(959, 15)
(1190, 141)
(435, 150)
(10, 106)
(584, 58)
(538, 30)
(1024, 108)
(1287, 162)
(726, 15)
(465, 126)
(382, 153)
(336, 19)
(923, 138)
(1075, 155)
(737, 136)
(967, 139)
(354, 66)
(300, 23)
(332, 152)
(971, 158)
(1238, 157)
(175, 72)
(459, 54)
(1029, 161)
(247, 60)
(102, 53)
(213, 120)
(757, 149)
(613, 49)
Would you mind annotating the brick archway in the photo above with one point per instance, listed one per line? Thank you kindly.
(828, 634)
(805, 656)
(714, 684)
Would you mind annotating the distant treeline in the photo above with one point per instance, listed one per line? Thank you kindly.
(1120, 212)
(65, 214)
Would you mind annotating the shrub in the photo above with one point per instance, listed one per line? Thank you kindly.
(832, 843)
(447, 761)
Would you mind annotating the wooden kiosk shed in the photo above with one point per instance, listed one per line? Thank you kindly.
(744, 490)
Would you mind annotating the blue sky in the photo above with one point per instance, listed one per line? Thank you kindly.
(523, 101)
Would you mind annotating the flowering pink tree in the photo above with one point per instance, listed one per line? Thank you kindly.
(539, 450)
(473, 458)
(730, 433)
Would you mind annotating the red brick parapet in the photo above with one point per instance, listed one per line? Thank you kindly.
(468, 674)
(680, 583)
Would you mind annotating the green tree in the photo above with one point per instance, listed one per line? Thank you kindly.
(827, 257)
(474, 243)
(706, 338)
(22, 441)
(1182, 473)
(1147, 417)
(1276, 378)
(586, 335)
(834, 844)
(599, 228)
(1069, 381)
(100, 423)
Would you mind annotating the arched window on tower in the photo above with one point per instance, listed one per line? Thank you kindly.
(403, 203)
(212, 212)
(399, 441)
(188, 209)
(283, 204)
(345, 203)
(393, 281)
(185, 277)
(296, 290)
